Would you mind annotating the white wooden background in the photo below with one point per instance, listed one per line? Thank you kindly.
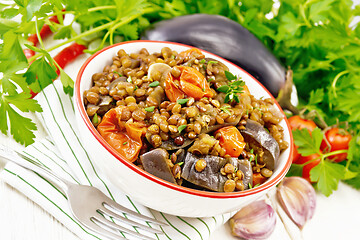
(336, 217)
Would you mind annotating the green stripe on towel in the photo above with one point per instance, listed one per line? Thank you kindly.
(29, 184)
(174, 226)
(191, 227)
(65, 138)
(205, 225)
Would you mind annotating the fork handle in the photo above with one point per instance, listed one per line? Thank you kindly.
(22, 160)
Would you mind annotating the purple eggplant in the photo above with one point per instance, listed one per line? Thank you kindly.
(155, 162)
(211, 178)
(258, 138)
(225, 38)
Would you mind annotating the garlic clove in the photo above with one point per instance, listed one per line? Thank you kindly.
(254, 221)
(298, 199)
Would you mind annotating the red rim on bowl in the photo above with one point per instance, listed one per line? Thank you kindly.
(94, 132)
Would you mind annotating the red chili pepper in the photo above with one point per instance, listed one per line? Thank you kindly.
(66, 56)
(45, 31)
(69, 54)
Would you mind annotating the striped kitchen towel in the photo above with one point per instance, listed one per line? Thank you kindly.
(63, 152)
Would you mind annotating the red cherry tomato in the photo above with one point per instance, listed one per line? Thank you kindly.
(296, 122)
(307, 167)
(296, 154)
(310, 165)
(337, 141)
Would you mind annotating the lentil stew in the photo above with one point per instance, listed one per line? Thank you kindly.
(186, 119)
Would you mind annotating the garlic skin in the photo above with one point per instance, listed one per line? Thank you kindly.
(254, 221)
(298, 199)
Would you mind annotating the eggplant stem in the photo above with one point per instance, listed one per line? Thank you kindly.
(284, 97)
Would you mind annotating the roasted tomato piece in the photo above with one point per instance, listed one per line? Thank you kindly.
(190, 82)
(126, 139)
(231, 140)
(191, 52)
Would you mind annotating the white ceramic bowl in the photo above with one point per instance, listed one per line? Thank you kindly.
(145, 188)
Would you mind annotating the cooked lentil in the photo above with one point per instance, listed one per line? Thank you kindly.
(200, 165)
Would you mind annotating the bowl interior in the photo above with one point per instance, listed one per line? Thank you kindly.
(99, 60)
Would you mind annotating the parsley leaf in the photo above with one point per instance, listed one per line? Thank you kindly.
(7, 25)
(354, 181)
(317, 8)
(129, 31)
(295, 170)
(40, 74)
(9, 13)
(352, 174)
(10, 77)
(149, 109)
(20, 127)
(226, 109)
(230, 76)
(154, 84)
(234, 88)
(11, 49)
(23, 102)
(308, 144)
(68, 83)
(182, 101)
(316, 96)
(128, 8)
(181, 128)
(327, 175)
(28, 8)
(350, 103)
(63, 32)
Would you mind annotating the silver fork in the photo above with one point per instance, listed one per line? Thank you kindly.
(89, 205)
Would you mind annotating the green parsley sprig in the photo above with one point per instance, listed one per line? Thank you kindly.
(326, 173)
(97, 19)
(233, 89)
